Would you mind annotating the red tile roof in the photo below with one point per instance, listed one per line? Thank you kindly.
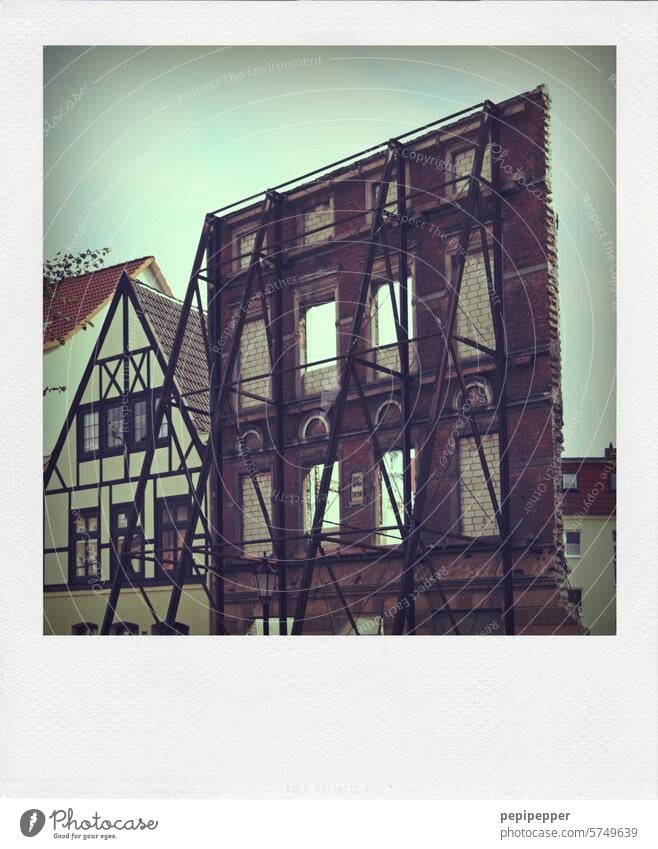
(77, 299)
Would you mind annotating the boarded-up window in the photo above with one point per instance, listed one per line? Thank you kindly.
(317, 223)
(254, 361)
(477, 513)
(255, 535)
(474, 319)
(463, 166)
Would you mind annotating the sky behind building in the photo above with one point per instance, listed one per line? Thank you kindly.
(141, 142)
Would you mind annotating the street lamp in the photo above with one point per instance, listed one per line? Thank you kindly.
(265, 585)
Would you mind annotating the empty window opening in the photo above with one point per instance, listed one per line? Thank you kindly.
(312, 479)
(389, 533)
(318, 347)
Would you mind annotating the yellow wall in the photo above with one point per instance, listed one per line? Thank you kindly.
(594, 572)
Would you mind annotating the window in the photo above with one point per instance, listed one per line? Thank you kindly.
(139, 422)
(85, 545)
(318, 344)
(106, 430)
(477, 512)
(389, 413)
(172, 525)
(89, 432)
(383, 324)
(163, 434)
(254, 361)
(255, 536)
(315, 427)
(390, 533)
(120, 518)
(462, 165)
(245, 249)
(320, 335)
(312, 479)
(317, 223)
(478, 394)
(84, 629)
(391, 195)
(474, 319)
(572, 543)
(612, 481)
(114, 428)
(569, 482)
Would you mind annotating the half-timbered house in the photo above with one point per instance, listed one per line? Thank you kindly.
(91, 474)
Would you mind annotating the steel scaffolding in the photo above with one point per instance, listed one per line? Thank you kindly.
(410, 514)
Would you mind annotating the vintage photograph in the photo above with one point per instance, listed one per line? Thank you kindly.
(329, 341)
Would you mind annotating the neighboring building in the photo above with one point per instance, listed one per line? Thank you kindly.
(92, 471)
(589, 503)
(80, 303)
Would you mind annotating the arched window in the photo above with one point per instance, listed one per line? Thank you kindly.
(390, 412)
(251, 440)
(315, 427)
(479, 393)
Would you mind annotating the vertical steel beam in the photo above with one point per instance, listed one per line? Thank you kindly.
(497, 305)
(185, 561)
(217, 620)
(403, 273)
(424, 466)
(341, 398)
(278, 397)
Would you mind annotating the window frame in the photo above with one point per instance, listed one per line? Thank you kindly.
(161, 526)
(612, 482)
(380, 282)
(573, 488)
(84, 410)
(567, 553)
(160, 441)
(460, 189)
(303, 349)
(328, 232)
(101, 408)
(263, 471)
(108, 450)
(389, 537)
(114, 549)
(84, 513)
(308, 470)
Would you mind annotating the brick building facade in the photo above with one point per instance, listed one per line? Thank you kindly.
(322, 233)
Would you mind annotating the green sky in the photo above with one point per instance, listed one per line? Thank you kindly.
(135, 155)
